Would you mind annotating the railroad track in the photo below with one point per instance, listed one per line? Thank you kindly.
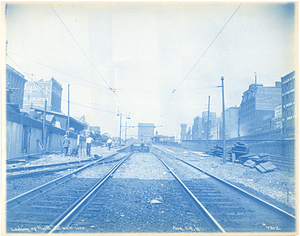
(230, 208)
(30, 171)
(202, 203)
(50, 206)
(122, 206)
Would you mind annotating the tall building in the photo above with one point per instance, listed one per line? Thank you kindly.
(288, 105)
(15, 82)
(212, 124)
(36, 93)
(231, 122)
(145, 132)
(257, 102)
(197, 128)
(189, 134)
(183, 132)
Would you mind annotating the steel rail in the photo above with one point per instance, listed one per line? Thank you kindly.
(234, 187)
(24, 197)
(48, 171)
(39, 172)
(212, 220)
(16, 169)
(75, 208)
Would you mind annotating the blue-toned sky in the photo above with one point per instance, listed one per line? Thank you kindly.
(143, 51)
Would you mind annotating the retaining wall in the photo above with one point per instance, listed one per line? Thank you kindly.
(283, 148)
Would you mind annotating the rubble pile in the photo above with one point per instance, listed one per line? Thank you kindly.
(259, 161)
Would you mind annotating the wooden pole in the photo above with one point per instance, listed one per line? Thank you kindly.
(44, 126)
(207, 127)
(224, 127)
(120, 141)
(68, 108)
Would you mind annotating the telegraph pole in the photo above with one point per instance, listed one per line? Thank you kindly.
(125, 131)
(44, 126)
(120, 140)
(68, 108)
(224, 128)
(6, 47)
(207, 129)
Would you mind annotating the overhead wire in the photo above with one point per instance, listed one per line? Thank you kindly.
(174, 90)
(208, 47)
(86, 55)
(59, 70)
(82, 84)
(27, 75)
(50, 91)
(79, 104)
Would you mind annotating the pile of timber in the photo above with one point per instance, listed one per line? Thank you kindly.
(259, 161)
(216, 151)
(239, 149)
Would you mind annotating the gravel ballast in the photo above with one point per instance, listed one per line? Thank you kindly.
(278, 185)
(141, 196)
(15, 187)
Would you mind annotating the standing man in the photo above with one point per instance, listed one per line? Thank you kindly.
(89, 141)
(66, 144)
(109, 143)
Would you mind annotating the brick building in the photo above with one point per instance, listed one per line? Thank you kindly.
(258, 101)
(145, 132)
(35, 95)
(15, 82)
(288, 105)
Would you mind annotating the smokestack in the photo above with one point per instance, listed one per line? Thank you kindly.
(255, 78)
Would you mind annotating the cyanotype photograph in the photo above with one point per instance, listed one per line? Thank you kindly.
(149, 118)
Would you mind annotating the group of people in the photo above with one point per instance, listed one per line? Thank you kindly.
(81, 144)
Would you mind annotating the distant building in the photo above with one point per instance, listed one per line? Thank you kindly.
(58, 120)
(36, 93)
(273, 121)
(15, 82)
(277, 124)
(95, 129)
(288, 105)
(145, 132)
(212, 124)
(197, 128)
(163, 139)
(183, 132)
(257, 102)
(231, 122)
(189, 134)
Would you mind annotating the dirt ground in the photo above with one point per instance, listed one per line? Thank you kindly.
(279, 185)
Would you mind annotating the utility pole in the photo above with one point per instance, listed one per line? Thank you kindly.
(6, 47)
(207, 127)
(224, 127)
(218, 130)
(125, 131)
(68, 109)
(239, 123)
(120, 140)
(44, 126)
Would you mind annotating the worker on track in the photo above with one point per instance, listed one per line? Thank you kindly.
(66, 144)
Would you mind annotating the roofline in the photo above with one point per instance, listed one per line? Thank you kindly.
(17, 72)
